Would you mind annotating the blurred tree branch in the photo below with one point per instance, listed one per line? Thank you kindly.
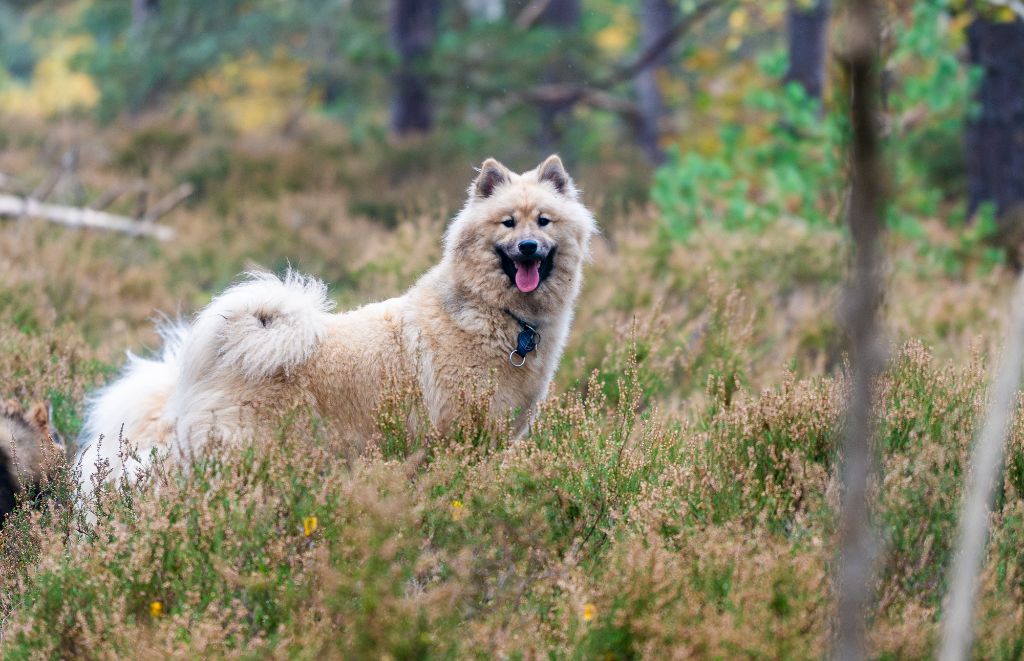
(650, 55)
(596, 94)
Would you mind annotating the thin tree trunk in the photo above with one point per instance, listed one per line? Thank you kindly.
(995, 138)
(413, 29)
(807, 37)
(982, 481)
(658, 16)
(563, 15)
(862, 301)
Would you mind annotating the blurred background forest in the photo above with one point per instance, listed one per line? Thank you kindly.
(735, 103)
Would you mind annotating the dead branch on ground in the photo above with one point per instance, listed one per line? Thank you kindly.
(27, 207)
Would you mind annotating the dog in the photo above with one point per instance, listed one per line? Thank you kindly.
(492, 317)
(28, 447)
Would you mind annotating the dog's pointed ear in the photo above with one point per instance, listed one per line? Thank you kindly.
(492, 174)
(553, 172)
(39, 417)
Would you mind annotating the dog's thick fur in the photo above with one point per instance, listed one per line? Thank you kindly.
(270, 344)
(27, 451)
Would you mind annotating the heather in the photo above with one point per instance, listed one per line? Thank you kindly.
(679, 493)
(677, 496)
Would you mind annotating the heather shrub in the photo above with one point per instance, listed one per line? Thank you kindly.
(675, 496)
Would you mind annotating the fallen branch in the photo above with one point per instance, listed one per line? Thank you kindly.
(19, 207)
(982, 479)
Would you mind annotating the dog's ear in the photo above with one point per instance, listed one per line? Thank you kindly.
(553, 172)
(492, 174)
(39, 417)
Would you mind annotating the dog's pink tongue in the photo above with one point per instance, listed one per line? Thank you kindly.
(527, 275)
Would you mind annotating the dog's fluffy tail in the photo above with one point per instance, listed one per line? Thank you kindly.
(261, 328)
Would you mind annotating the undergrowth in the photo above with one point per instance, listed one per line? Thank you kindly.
(676, 495)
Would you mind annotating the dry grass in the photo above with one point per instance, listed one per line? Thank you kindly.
(676, 499)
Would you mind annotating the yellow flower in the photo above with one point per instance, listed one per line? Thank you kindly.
(156, 609)
(589, 612)
(309, 525)
(458, 510)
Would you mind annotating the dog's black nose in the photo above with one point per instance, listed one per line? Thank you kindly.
(528, 247)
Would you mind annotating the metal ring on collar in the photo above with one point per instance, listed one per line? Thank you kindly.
(513, 362)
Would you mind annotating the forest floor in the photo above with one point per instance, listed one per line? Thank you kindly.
(677, 498)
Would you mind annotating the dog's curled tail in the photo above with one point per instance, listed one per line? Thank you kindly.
(263, 327)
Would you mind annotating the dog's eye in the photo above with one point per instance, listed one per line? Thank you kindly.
(543, 220)
(509, 222)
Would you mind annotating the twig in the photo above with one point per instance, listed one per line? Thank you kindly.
(43, 190)
(11, 205)
(114, 193)
(982, 480)
(168, 202)
(863, 297)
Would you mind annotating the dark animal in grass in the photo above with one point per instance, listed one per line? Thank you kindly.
(28, 449)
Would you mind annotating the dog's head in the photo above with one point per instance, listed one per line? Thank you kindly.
(28, 449)
(521, 239)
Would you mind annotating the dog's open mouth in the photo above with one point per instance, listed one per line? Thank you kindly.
(527, 274)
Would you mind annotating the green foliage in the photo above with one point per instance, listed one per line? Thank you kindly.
(756, 178)
(183, 40)
(790, 162)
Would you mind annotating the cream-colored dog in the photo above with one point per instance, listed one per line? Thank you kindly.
(492, 317)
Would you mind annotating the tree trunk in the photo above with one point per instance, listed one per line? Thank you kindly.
(995, 137)
(658, 15)
(807, 34)
(413, 28)
(563, 15)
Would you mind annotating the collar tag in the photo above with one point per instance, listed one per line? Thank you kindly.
(526, 342)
